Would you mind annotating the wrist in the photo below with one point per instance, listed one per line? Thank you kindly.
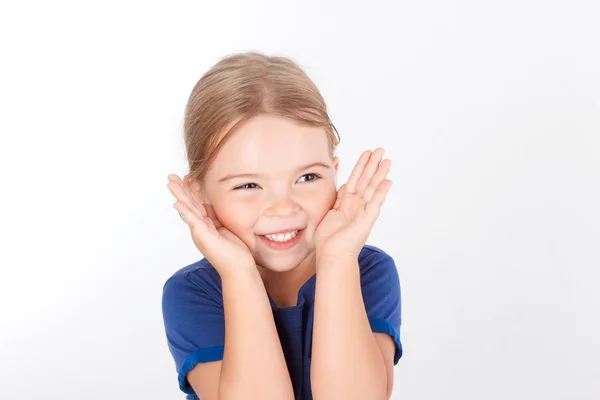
(238, 272)
(338, 253)
(333, 259)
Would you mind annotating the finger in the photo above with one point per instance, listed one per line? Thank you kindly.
(189, 211)
(210, 212)
(369, 171)
(178, 191)
(187, 190)
(191, 195)
(380, 175)
(195, 202)
(182, 194)
(357, 171)
(340, 193)
(189, 217)
(373, 207)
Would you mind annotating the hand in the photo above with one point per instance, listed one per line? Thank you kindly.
(344, 230)
(222, 248)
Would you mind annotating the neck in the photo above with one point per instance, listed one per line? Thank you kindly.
(283, 287)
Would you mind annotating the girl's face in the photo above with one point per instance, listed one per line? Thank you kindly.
(271, 176)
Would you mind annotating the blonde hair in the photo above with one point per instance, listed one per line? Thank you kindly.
(236, 89)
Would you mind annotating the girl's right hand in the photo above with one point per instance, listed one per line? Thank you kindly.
(222, 248)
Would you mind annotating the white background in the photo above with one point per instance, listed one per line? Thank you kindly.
(490, 112)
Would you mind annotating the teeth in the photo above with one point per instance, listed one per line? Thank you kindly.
(282, 237)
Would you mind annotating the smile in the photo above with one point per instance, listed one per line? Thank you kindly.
(282, 237)
(282, 241)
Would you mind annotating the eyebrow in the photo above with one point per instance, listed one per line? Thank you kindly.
(255, 175)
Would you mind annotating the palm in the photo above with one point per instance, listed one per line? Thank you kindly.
(221, 247)
(346, 227)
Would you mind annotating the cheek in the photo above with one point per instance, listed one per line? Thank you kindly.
(322, 202)
(235, 215)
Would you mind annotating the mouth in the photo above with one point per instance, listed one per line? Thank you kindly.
(282, 240)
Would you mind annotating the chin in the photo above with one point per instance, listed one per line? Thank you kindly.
(281, 264)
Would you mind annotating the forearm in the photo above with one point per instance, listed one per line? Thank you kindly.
(346, 360)
(253, 365)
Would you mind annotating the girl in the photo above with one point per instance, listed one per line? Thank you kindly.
(289, 302)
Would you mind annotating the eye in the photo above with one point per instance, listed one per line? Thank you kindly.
(245, 186)
(314, 177)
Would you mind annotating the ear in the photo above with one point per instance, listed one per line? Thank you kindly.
(336, 165)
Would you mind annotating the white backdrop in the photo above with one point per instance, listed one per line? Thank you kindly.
(490, 112)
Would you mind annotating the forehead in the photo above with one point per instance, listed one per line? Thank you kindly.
(266, 141)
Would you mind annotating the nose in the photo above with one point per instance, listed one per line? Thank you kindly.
(282, 206)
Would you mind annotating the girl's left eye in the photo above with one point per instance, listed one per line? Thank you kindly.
(314, 177)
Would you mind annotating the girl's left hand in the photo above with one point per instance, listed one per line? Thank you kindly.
(345, 228)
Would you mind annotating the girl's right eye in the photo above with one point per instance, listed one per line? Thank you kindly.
(245, 186)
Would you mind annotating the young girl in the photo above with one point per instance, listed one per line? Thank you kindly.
(289, 302)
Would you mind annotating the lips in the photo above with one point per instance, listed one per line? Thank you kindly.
(282, 245)
(282, 231)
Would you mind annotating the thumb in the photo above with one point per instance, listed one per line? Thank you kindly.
(211, 214)
(340, 194)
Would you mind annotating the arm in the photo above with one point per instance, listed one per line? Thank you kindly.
(347, 359)
(253, 365)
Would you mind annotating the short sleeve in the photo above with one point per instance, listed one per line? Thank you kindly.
(381, 294)
(194, 323)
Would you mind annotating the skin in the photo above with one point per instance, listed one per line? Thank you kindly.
(283, 197)
(227, 218)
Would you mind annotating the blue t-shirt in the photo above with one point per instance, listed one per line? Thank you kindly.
(192, 306)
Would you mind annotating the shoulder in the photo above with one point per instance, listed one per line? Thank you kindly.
(198, 279)
(380, 286)
(374, 261)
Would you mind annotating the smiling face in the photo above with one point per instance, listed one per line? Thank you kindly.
(273, 175)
